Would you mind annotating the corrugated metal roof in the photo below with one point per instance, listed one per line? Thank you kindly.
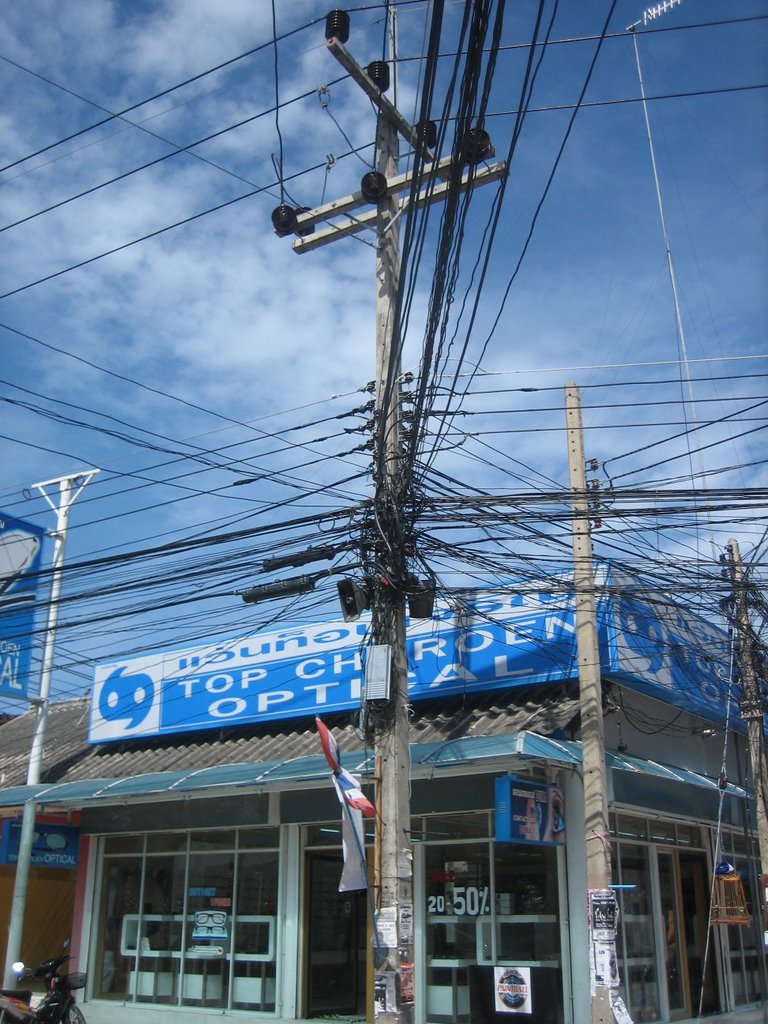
(446, 734)
(69, 756)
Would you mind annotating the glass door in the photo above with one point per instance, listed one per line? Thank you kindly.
(695, 887)
(336, 941)
(684, 892)
(639, 969)
(673, 926)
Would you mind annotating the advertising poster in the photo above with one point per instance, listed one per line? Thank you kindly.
(603, 918)
(384, 993)
(529, 813)
(406, 983)
(513, 989)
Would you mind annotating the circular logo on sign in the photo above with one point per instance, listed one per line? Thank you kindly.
(126, 697)
(512, 989)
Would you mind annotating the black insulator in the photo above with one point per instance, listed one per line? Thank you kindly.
(427, 133)
(378, 72)
(337, 26)
(373, 185)
(477, 146)
(284, 220)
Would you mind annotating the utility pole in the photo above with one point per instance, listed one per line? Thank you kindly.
(752, 706)
(70, 488)
(381, 190)
(597, 838)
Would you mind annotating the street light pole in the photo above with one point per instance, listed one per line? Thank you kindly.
(70, 488)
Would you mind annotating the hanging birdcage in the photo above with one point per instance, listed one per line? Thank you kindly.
(729, 901)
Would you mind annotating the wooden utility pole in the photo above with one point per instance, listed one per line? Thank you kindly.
(315, 228)
(752, 706)
(598, 847)
(391, 731)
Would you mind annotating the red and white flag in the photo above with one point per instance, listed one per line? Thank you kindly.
(329, 745)
(354, 805)
(354, 874)
(345, 781)
(353, 795)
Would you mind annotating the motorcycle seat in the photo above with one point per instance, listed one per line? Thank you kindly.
(24, 995)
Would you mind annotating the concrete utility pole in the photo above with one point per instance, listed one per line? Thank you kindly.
(381, 189)
(598, 847)
(752, 706)
(70, 488)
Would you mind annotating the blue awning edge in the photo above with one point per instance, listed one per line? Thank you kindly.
(492, 753)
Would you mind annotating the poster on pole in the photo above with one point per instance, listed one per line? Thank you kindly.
(21, 546)
(603, 917)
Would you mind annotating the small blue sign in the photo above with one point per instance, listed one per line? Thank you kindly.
(529, 813)
(53, 846)
(20, 557)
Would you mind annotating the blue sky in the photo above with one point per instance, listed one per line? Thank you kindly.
(185, 361)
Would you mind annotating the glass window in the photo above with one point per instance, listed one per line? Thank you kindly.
(167, 842)
(662, 832)
(255, 937)
(526, 903)
(454, 826)
(258, 838)
(631, 828)
(458, 890)
(489, 903)
(208, 929)
(224, 839)
(156, 934)
(688, 835)
(636, 947)
(743, 950)
(172, 923)
(118, 927)
(124, 844)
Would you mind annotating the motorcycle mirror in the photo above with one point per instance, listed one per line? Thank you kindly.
(18, 967)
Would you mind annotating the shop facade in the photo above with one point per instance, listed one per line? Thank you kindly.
(216, 890)
(210, 850)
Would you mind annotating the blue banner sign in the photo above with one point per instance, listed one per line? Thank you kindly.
(20, 556)
(662, 649)
(53, 846)
(496, 640)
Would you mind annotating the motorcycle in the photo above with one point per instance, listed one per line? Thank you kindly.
(57, 1005)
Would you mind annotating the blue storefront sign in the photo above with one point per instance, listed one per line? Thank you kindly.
(20, 558)
(498, 639)
(53, 846)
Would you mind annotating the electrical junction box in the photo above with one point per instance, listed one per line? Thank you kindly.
(378, 662)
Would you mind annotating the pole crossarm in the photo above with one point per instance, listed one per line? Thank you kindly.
(354, 225)
(308, 218)
(369, 87)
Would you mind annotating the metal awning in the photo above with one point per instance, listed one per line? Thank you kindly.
(529, 745)
(486, 753)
